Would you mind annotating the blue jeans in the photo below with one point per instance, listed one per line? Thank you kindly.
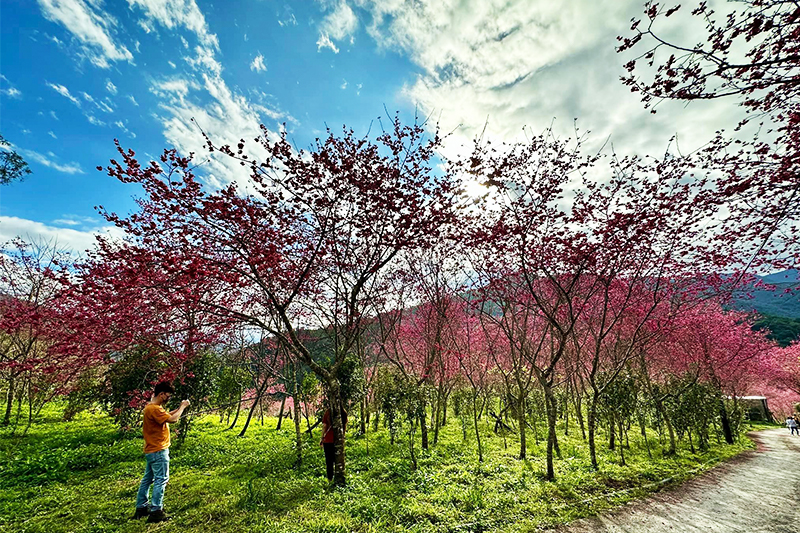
(156, 473)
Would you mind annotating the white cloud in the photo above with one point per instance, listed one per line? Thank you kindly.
(325, 42)
(178, 13)
(171, 64)
(204, 59)
(340, 23)
(121, 125)
(228, 118)
(133, 100)
(63, 91)
(32, 231)
(75, 220)
(94, 120)
(53, 114)
(110, 87)
(9, 91)
(105, 106)
(258, 64)
(90, 26)
(47, 160)
(51, 134)
(173, 89)
(245, 37)
(523, 63)
(358, 89)
(289, 20)
(87, 96)
(344, 84)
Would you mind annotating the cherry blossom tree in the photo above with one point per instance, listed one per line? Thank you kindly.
(750, 56)
(310, 240)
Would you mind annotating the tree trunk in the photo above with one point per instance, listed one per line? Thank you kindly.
(612, 434)
(550, 407)
(423, 425)
(261, 390)
(238, 410)
(670, 430)
(437, 414)
(363, 416)
(280, 414)
(592, 427)
(298, 432)
(335, 406)
(9, 402)
(579, 414)
(523, 447)
(475, 423)
(725, 421)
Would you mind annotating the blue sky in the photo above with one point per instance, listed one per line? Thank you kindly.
(78, 73)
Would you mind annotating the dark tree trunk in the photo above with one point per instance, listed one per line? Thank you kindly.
(336, 407)
(423, 425)
(238, 410)
(257, 400)
(521, 420)
(9, 402)
(725, 421)
(550, 407)
(280, 414)
(579, 414)
(612, 434)
(298, 432)
(592, 427)
(475, 423)
(363, 417)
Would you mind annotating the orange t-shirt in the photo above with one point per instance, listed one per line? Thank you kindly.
(155, 428)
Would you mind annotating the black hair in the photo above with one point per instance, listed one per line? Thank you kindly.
(164, 386)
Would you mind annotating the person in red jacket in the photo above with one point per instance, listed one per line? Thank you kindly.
(327, 440)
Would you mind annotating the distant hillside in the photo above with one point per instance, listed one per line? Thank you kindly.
(776, 302)
(780, 310)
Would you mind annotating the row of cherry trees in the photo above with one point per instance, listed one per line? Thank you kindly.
(573, 275)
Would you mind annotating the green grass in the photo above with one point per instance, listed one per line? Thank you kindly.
(82, 476)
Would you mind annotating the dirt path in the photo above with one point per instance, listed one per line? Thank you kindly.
(758, 492)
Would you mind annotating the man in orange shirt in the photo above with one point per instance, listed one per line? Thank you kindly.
(155, 429)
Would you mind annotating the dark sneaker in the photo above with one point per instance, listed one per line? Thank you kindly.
(157, 516)
(141, 512)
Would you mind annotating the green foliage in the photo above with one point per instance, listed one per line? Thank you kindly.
(223, 483)
(352, 382)
(132, 372)
(12, 165)
(781, 329)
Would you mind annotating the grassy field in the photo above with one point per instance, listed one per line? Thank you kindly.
(83, 476)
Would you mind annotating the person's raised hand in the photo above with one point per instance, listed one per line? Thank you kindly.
(185, 403)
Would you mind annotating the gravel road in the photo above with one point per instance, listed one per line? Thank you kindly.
(757, 492)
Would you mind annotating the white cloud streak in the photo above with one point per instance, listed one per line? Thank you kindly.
(325, 42)
(524, 63)
(258, 64)
(91, 27)
(47, 160)
(178, 13)
(73, 239)
(63, 91)
(339, 23)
